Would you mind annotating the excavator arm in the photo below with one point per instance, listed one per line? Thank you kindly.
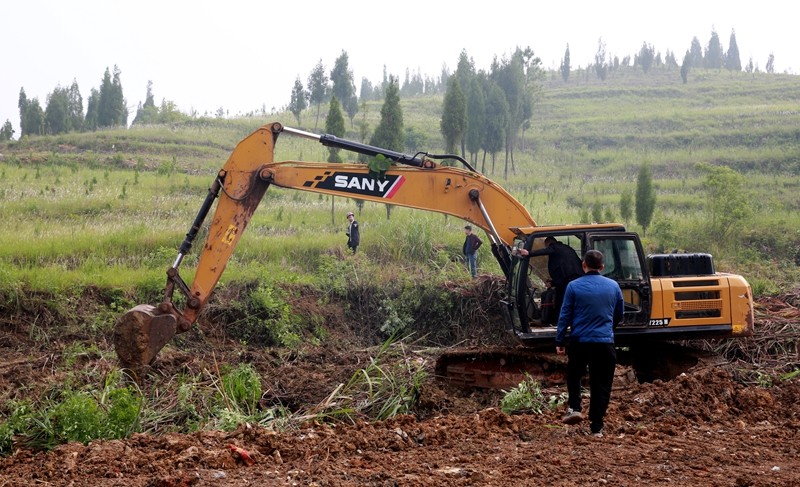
(412, 181)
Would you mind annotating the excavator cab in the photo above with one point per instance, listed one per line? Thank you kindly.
(625, 263)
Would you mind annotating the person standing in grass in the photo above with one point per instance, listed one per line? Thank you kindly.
(471, 245)
(593, 306)
(353, 233)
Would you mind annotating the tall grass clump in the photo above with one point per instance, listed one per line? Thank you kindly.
(73, 415)
(388, 386)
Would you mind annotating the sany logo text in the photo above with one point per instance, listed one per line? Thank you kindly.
(358, 184)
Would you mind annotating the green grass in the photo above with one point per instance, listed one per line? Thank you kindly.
(110, 208)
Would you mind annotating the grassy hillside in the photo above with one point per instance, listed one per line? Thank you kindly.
(109, 208)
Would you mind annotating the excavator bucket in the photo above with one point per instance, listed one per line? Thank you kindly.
(140, 334)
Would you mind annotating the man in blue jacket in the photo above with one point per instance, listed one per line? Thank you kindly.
(593, 306)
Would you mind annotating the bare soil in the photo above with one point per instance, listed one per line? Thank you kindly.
(714, 426)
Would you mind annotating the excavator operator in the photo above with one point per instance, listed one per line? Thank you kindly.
(563, 265)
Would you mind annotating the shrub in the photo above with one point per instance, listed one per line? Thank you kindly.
(528, 397)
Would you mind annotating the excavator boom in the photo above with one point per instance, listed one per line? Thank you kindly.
(412, 181)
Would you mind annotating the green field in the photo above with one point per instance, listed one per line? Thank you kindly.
(108, 209)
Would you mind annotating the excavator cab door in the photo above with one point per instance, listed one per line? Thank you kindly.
(625, 263)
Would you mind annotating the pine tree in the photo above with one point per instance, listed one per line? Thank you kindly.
(496, 123)
(389, 132)
(299, 101)
(111, 109)
(714, 55)
(626, 206)
(770, 67)
(600, 61)
(645, 197)
(317, 88)
(23, 107)
(147, 113)
(565, 66)
(687, 63)
(476, 118)
(92, 110)
(7, 131)
(55, 113)
(732, 60)
(454, 116)
(646, 57)
(334, 125)
(696, 54)
(75, 107)
(344, 87)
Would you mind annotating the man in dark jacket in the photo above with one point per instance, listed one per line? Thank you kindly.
(593, 306)
(353, 234)
(563, 265)
(471, 245)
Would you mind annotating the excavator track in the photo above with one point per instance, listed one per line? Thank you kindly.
(505, 368)
(501, 367)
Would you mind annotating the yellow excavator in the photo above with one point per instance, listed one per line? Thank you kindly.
(668, 297)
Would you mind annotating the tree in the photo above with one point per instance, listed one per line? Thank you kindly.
(147, 113)
(317, 88)
(600, 60)
(732, 60)
(23, 107)
(513, 78)
(7, 131)
(111, 108)
(454, 116)
(75, 107)
(55, 113)
(476, 118)
(714, 55)
(645, 197)
(92, 110)
(646, 56)
(344, 87)
(727, 203)
(749, 69)
(696, 53)
(299, 101)
(496, 123)
(334, 125)
(687, 63)
(389, 132)
(770, 67)
(31, 116)
(626, 206)
(565, 66)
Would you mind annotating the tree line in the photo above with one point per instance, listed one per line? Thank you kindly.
(713, 56)
(64, 109)
(484, 110)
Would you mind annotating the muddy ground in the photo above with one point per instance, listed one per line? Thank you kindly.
(734, 423)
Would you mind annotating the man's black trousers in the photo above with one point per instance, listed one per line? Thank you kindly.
(601, 359)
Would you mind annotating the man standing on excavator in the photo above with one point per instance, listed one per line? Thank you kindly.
(563, 265)
(593, 306)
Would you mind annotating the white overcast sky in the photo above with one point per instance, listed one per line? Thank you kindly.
(242, 55)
